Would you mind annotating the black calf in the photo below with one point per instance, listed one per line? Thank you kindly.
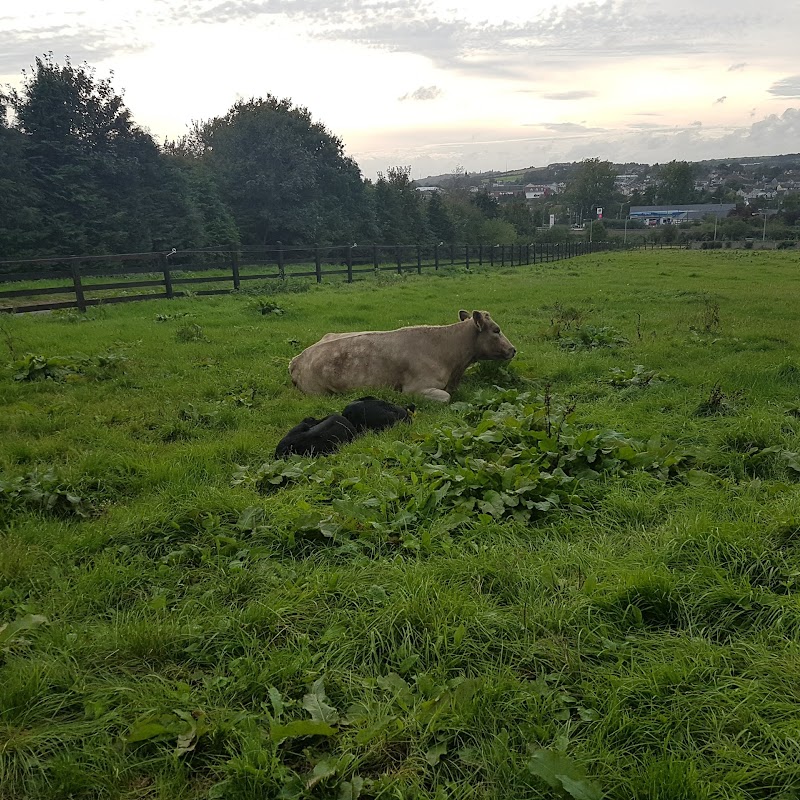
(316, 437)
(370, 413)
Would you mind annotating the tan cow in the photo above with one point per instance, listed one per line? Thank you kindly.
(428, 360)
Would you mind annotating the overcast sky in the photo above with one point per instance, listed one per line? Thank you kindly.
(486, 85)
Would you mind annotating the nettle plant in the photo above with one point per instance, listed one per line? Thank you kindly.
(591, 337)
(33, 367)
(45, 491)
(636, 377)
(517, 457)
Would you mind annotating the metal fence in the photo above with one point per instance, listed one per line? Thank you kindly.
(95, 280)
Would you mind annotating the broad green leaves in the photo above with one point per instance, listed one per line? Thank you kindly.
(560, 771)
(517, 457)
(316, 703)
(11, 630)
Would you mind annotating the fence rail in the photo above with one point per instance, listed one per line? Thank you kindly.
(86, 276)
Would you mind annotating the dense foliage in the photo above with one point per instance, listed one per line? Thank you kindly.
(81, 177)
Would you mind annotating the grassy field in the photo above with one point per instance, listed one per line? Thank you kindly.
(583, 584)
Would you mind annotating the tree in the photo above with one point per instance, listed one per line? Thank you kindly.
(519, 215)
(440, 223)
(95, 182)
(488, 206)
(790, 208)
(284, 176)
(676, 183)
(592, 186)
(399, 214)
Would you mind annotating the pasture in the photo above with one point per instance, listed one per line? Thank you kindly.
(582, 584)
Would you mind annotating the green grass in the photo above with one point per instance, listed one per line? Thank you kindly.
(176, 632)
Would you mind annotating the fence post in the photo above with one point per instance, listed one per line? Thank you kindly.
(528, 253)
(375, 264)
(234, 272)
(318, 263)
(491, 254)
(436, 256)
(168, 277)
(281, 271)
(349, 263)
(466, 256)
(419, 260)
(399, 256)
(502, 255)
(452, 254)
(480, 255)
(78, 288)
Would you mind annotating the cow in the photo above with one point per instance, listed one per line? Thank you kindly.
(370, 413)
(428, 360)
(316, 437)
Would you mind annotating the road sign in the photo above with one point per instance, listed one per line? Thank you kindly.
(599, 213)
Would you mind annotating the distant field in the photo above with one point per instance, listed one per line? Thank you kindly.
(582, 584)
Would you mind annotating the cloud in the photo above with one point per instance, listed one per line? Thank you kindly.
(576, 94)
(737, 67)
(423, 93)
(21, 46)
(558, 38)
(435, 152)
(569, 128)
(720, 100)
(787, 87)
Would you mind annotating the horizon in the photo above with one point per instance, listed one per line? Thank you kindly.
(415, 82)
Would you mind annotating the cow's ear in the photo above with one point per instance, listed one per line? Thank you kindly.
(479, 321)
(462, 315)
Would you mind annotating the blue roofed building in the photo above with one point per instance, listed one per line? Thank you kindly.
(679, 212)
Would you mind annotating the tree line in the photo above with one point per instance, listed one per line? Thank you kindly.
(78, 176)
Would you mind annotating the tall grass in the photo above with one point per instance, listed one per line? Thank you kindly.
(173, 632)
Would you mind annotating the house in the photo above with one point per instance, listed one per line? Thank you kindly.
(535, 191)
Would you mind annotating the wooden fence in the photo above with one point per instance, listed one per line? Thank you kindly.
(95, 280)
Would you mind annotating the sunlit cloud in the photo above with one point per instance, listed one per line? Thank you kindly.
(788, 87)
(423, 93)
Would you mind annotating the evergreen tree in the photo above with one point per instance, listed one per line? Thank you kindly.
(440, 222)
(95, 183)
(399, 212)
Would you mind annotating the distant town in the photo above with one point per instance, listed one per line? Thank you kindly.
(741, 180)
(730, 202)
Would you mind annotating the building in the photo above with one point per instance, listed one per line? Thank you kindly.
(535, 191)
(679, 212)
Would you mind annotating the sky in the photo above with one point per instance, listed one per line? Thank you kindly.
(436, 85)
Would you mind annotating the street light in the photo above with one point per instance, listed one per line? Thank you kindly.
(716, 217)
(625, 234)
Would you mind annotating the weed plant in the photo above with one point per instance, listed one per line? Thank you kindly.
(579, 580)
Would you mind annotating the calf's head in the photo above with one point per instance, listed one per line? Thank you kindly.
(491, 345)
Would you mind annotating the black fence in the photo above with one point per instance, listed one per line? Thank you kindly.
(95, 280)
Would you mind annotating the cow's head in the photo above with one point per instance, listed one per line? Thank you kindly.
(491, 345)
